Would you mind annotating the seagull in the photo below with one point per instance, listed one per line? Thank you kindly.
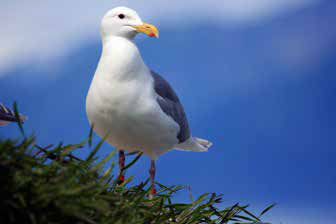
(130, 105)
(8, 116)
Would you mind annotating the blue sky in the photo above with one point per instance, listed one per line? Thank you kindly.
(258, 81)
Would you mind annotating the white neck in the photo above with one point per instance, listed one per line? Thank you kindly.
(120, 58)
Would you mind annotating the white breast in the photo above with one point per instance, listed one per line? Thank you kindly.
(121, 103)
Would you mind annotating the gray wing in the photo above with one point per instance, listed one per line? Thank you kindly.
(170, 104)
(8, 115)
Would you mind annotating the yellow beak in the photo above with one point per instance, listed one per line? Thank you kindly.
(147, 29)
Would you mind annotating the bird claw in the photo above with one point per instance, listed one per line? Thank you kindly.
(153, 191)
(121, 180)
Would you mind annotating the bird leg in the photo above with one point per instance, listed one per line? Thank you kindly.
(121, 166)
(152, 176)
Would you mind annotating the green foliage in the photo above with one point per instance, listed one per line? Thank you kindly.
(50, 185)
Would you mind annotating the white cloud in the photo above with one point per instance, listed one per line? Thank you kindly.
(37, 32)
(304, 48)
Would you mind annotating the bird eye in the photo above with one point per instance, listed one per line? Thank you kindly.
(121, 16)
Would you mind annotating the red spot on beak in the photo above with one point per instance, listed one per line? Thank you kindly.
(151, 35)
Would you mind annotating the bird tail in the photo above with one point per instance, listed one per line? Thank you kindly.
(195, 145)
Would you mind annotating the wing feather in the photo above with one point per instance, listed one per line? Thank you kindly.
(171, 105)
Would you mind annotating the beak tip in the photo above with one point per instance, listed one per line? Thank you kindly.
(147, 29)
(155, 35)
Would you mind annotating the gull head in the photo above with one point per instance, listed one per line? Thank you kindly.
(125, 22)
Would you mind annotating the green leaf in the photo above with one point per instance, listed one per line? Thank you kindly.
(69, 148)
(244, 218)
(200, 199)
(95, 150)
(228, 213)
(107, 173)
(107, 158)
(90, 136)
(249, 213)
(133, 161)
(18, 118)
(267, 209)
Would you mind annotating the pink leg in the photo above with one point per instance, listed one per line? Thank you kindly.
(152, 176)
(121, 166)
